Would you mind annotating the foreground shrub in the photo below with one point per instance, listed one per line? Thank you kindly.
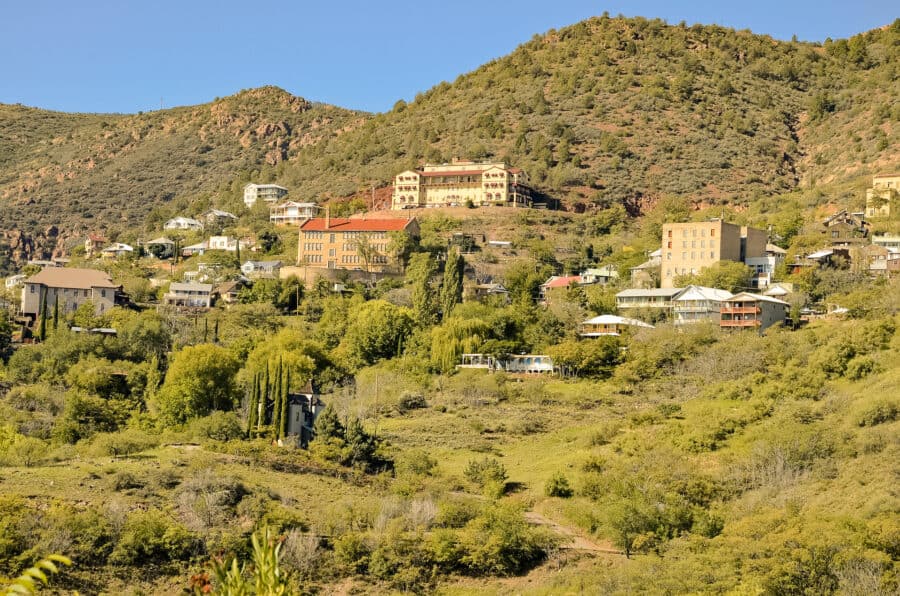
(218, 426)
(558, 486)
(500, 542)
(881, 411)
(126, 442)
(153, 537)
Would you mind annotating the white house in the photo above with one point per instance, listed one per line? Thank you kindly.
(292, 213)
(189, 294)
(117, 249)
(270, 193)
(15, 280)
(602, 275)
(214, 217)
(698, 303)
(183, 223)
(609, 325)
(261, 268)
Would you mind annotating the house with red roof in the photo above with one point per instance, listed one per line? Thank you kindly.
(558, 283)
(360, 243)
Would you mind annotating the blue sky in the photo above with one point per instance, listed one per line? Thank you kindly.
(128, 56)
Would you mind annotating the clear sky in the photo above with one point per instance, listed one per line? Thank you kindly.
(131, 55)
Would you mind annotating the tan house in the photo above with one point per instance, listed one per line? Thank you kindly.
(846, 229)
(460, 183)
(882, 194)
(689, 247)
(69, 288)
(93, 244)
(354, 243)
(752, 311)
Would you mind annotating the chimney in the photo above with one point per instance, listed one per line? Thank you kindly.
(327, 217)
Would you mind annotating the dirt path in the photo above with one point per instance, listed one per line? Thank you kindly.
(573, 538)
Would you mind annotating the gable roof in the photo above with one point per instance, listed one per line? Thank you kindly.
(218, 213)
(561, 282)
(703, 293)
(650, 292)
(745, 296)
(65, 277)
(344, 224)
(615, 320)
(177, 286)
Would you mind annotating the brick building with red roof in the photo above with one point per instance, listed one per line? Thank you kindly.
(351, 243)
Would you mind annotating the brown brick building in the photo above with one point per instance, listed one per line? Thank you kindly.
(689, 247)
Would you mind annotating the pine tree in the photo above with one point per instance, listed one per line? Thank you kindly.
(42, 326)
(419, 272)
(451, 290)
(276, 396)
(205, 329)
(216, 332)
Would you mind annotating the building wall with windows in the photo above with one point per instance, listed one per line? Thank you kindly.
(689, 247)
(69, 288)
(885, 188)
(459, 183)
(269, 193)
(334, 243)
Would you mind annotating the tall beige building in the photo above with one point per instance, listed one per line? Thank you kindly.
(461, 182)
(69, 289)
(689, 247)
(885, 189)
(334, 242)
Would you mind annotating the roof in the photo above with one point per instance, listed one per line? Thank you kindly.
(117, 246)
(561, 282)
(703, 293)
(651, 292)
(615, 320)
(65, 277)
(263, 264)
(775, 249)
(342, 224)
(293, 204)
(264, 186)
(199, 246)
(820, 254)
(176, 286)
(453, 173)
(160, 240)
(218, 213)
(745, 296)
(776, 291)
(656, 253)
(96, 238)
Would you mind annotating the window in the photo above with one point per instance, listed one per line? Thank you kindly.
(668, 256)
(712, 233)
(670, 233)
(103, 293)
(670, 244)
(693, 244)
(31, 289)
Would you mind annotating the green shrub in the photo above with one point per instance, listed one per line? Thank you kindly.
(218, 426)
(483, 471)
(153, 537)
(126, 442)
(500, 542)
(558, 486)
(879, 412)
(410, 400)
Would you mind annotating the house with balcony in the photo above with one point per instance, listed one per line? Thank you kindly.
(161, 248)
(764, 267)
(658, 300)
(270, 193)
(697, 304)
(887, 241)
(609, 325)
(116, 250)
(189, 295)
(461, 183)
(752, 311)
(292, 213)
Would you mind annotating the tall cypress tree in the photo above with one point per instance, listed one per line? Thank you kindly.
(253, 407)
(265, 398)
(55, 312)
(216, 332)
(276, 395)
(42, 326)
(451, 290)
(283, 421)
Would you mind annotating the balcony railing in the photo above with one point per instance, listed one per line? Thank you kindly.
(740, 310)
(739, 323)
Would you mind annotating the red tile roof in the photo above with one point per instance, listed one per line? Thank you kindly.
(562, 282)
(342, 224)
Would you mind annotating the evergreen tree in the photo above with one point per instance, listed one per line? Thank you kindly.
(253, 407)
(451, 290)
(42, 326)
(419, 272)
(328, 425)
(265, 399)
(216, 332)
(283, 422)
(55, 313)
(205, 329)
(276, 396)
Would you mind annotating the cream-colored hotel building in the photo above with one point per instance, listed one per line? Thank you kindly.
(459, 183)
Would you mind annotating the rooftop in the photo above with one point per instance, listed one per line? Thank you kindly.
(176, 286)
(341, 224)
(64, 277)
(651, 292)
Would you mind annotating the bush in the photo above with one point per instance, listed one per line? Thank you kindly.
(411, 401)
(126, 442)
(558, 486)
(24, 451)
(152, 537)
(500, 542)
(883, 410)
(486, 470)
(218, 426)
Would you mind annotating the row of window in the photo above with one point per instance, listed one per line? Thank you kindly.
(313, 258)
(694, 255)
(312, 246)
(314, 235)
(684, 244)
(693, 232)
(406, 188)
(683, 271)
(65, 291)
